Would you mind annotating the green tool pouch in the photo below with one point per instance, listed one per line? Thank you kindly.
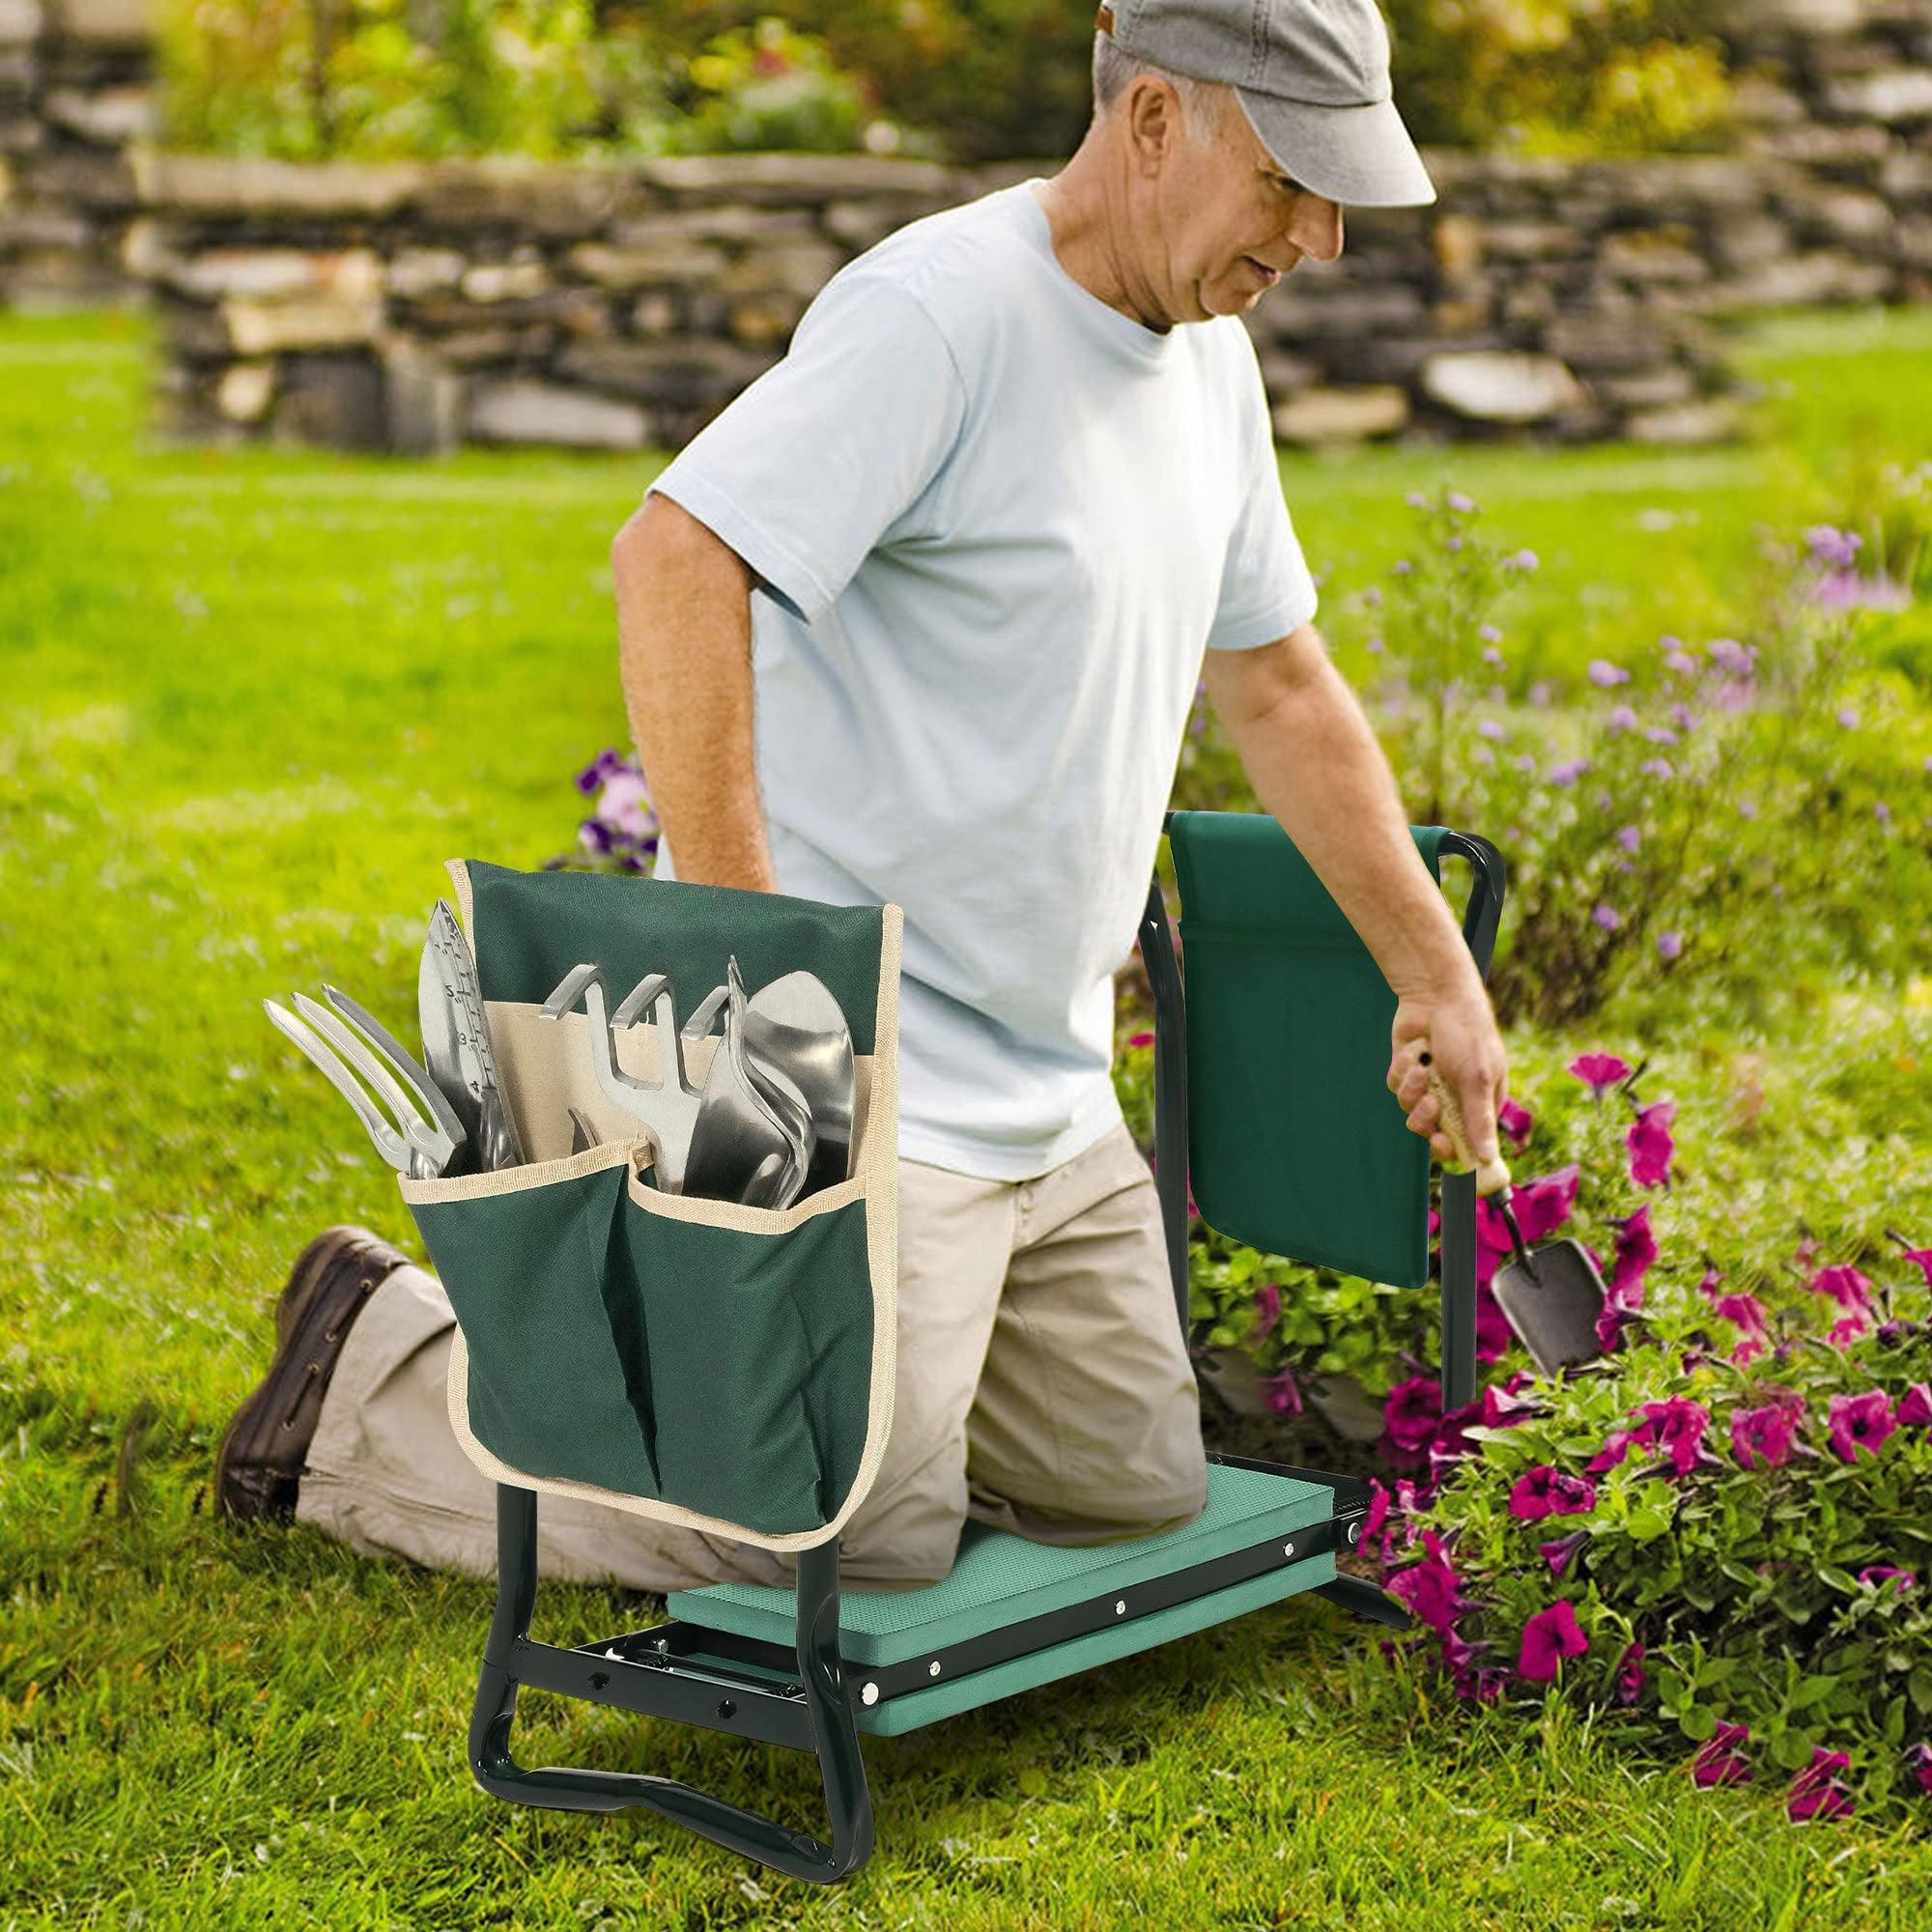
(725, 1368)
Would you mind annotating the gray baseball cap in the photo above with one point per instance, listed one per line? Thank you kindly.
(1311, 75)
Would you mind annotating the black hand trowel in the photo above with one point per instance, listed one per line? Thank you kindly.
(1552, 1297)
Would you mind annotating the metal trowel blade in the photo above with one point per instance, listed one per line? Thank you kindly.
(1553, 1305)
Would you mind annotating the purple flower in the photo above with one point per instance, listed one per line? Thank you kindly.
(1860, 1421)
(1567, 771)
(1604, 673)
(625, 807)
(603, 768)
(1914, 1405)
(1489, 728)
(1622, 717)
(1767, 1432)
(1682, 717)
(1522, 559)
(1374, 644)
(1598, 1072)
(1401, 567)
(1728, 654)
(1493, 656)
(1650, 1144)
(1488, 634)
(1606, 916)
(1847, 717)
(1681, 660)
(1719, 1758)
(1817, 1792)
(1516, 1120)
(1547, 1490)
(1630, 836)
(1458, 502)
(1659, 734)
(1679, 1425)
(1416, 501)
(1669, 944)
(1452, 544)
(1832, 546)
(1848, 590)
(1548, 1639)
(594, 836)
(1657, 768)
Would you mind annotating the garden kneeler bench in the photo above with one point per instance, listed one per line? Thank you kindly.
(731, 1369)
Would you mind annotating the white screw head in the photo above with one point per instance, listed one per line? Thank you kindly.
(1121, 1608)
(868, 1693)
(933, 1668)
(1288, 1550)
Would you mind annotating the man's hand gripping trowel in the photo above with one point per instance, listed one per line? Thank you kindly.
(1553, 1297)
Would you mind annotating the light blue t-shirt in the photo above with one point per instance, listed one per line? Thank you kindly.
(996, 523)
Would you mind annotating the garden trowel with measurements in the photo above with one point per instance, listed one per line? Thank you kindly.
(1552, 1297)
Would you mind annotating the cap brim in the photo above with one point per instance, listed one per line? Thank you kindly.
(1361, 156)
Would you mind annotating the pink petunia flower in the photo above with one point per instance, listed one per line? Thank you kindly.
(1650, 1144)
(1845, 1285)
(1268, 1298)
(1548, 1639)
(1411, 1412)
(1860, 1421)
(1547, 1490)
(1630, 1674)
(1923, 1257)
(1516, 1120)
(1428, 1589)
(1598, 1072)
(1920, 1759)
(1141, 1040)
(1680, 1426)
(1817, 1792)
(1719, 1758)
(1914, 1405)
(1883, 1573)
(1767, 1432)
(1283, 1393)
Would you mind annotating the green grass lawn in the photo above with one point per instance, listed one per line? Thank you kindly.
(250, 700)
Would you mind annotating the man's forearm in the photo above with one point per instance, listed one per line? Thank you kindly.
(1315, 763)
(684, 627)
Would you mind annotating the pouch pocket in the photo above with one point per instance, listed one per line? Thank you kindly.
(760, 1341)
(702, 1355)
(536, 1265)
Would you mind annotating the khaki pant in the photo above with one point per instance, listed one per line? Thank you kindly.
(1043, 1386)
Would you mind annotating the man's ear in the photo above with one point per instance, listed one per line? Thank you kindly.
(1154, 121)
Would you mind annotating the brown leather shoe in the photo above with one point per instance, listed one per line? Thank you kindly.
(260, 1461)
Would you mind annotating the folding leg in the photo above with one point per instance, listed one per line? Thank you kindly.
(810, 1715)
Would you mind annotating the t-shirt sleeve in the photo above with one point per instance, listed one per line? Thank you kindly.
(809, 468)
(1266, 590)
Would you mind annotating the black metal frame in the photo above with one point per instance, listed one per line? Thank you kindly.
(803, 1697)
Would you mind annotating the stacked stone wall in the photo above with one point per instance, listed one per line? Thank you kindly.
(419, 306)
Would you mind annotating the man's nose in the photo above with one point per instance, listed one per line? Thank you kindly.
(1315, 227)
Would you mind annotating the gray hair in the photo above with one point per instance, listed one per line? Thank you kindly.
(1203, 104)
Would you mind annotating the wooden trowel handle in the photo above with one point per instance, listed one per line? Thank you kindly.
(1492, 1176)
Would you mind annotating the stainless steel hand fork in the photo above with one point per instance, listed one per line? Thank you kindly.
(426, 1136)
